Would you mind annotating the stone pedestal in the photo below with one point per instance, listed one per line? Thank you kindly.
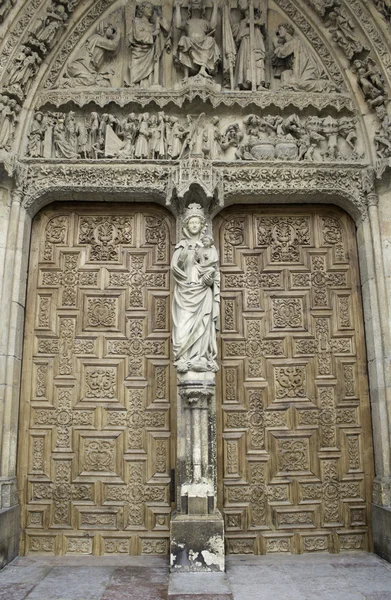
(197, 543)
(197, 530)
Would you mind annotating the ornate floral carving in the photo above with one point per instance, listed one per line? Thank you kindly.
(69, 278)
(100, 382)
(287, 313)
(37, 459)
(56, 231)
(101, 312)
(99, 455)
(293, 455)
(63, 417)
(135, 419)
(137, 278)
(137, 347)
(41, 381)
(315, 543)
(105, 235)
(349, 379)
(254, 348)
(41, 544)
(116, 546)
(283, 235)
(43, 312)
(290, 382)
(79, 546)
(252, 281)
(156, 233)
(135, 494)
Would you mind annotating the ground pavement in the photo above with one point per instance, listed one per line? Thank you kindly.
(358, 576)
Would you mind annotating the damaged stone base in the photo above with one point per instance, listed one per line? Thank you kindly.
(197, 543)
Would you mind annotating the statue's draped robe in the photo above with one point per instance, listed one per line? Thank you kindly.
(146, 49)
(303, 73)
(197, 48)
(245, 56)
(195, 309)
(85, 69)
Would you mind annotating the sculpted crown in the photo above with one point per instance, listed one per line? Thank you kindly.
(194, 210)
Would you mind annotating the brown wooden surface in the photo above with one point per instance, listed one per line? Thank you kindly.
(95, 453)
(296, 449)
(294, 426)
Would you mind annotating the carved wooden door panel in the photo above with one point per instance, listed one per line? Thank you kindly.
(95, 449)
(297, 460)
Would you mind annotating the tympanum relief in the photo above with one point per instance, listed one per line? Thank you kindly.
(165, 136)
(241, 45)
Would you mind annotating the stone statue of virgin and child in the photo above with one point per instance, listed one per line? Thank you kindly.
(196, 302)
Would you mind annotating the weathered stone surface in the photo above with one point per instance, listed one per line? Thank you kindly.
(193, 584)
(197, 544)
(381, 523)
(9, 534)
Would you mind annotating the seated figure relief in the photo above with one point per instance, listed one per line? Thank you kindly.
(198, 52)
(217, 43)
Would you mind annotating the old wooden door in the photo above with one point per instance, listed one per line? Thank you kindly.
(95, 449)
(297, 460)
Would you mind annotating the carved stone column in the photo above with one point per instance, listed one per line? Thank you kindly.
(197, 528)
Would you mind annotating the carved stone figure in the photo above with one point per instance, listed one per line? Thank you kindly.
(144, 133)
(177, 135)
(191, 142)
(86, 69)
(196, 300)
(35, 143)
(148, 37)
(47, 27)
(295, 64)
(212, 140)
(5, 7)
(63, 148)
(321, 6)
(382, 136)
(343, 31)
(8, 118)
(197, 51)
(130, 130)
(157, 136)
(25, 66)
(384, 7)
(370, 81)
(250, 59)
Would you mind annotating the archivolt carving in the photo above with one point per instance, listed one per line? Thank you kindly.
(236, 181)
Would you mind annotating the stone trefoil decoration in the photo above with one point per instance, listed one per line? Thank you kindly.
(160, 136)
(197, 532)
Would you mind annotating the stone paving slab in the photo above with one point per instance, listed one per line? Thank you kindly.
(354, 576)
(199, 584)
